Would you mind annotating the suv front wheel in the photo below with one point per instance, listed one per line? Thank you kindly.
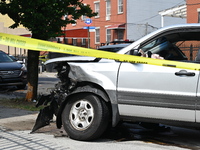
(85, 117)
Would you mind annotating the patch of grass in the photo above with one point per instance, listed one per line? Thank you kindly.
(19, 103)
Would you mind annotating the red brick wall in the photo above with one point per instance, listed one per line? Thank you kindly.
(101, 21)
(192, 14)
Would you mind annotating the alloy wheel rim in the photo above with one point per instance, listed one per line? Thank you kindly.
(81, 115)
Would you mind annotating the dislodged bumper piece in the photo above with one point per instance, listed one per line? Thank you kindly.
(53, 101)
(46, 114)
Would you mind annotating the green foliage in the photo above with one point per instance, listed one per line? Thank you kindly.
(44, 17)
(19, 103)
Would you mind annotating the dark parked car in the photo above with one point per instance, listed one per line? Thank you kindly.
(113, 48)
(12, 72)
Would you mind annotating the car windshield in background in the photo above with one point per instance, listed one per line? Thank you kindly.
(113, 48)
(5, 58)
(13, 58)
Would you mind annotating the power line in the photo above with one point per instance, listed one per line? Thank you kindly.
(158, 14)
(148, 18)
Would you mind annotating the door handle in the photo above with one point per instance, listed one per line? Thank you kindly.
(184, 73)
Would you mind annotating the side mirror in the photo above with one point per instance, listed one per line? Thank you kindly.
(135, 52)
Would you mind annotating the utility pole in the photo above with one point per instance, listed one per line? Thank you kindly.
(88, 36)
(146, 28)
(88, 23)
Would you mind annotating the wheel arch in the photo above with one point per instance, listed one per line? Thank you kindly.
(94, 89)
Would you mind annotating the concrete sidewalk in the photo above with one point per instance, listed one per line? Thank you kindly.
(15, 128)
(48, 74)
(16, 125)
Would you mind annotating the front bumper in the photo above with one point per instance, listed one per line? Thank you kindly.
(11, 81)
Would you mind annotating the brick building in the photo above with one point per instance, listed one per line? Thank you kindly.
(5, 22)
(119, 20)
(109, 24)
(193, 11)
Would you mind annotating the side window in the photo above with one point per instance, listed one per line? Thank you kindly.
(180, 45)
(164, 48)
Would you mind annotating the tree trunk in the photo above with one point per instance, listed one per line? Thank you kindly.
(32, 76)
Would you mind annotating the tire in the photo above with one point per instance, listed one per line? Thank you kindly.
(85, 117)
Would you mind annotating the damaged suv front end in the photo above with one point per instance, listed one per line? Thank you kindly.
(80, 76)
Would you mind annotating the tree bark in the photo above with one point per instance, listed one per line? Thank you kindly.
(32, 76)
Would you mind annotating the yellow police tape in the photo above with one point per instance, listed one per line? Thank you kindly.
(40, 45)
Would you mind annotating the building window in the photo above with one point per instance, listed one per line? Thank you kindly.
(74, 41)
(83, 41)
(97, 8)
(84, 17)
(108, 35)
(108, 9)
(120, 6)
(74, 24)
(97, 35)
(120, 34)
(198, 11)
(65, 40)
(198, 17)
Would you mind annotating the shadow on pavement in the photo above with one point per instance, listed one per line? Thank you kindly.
(11, 93)
(173, 136)
(6, 112)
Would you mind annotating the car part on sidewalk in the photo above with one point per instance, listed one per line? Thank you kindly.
(53, 100)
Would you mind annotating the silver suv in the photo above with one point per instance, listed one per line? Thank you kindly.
(94, 92)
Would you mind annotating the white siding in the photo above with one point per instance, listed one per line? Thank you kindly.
(143, 17)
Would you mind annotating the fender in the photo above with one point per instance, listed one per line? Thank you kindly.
(82, 89)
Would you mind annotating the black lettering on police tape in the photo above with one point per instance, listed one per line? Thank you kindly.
(21, 42)
(132, 61)
(11, 40)
(68, 50)
(125, 60)
(117, 59)
(141, 62)
(73, 51)
(169, 65)
(44, 46)
(7, 39)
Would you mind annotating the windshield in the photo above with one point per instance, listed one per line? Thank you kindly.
(5, 58)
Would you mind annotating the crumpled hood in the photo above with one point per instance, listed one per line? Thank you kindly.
(72, 59)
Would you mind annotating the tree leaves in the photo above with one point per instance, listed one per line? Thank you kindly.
(44, 17)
